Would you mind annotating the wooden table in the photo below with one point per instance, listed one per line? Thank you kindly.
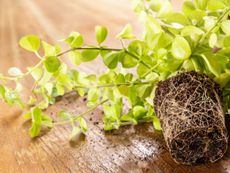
(129, 149)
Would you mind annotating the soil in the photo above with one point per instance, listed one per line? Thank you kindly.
(189, 106)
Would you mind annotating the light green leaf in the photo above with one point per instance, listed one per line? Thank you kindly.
(47, 121)
(156, 123)
(226, 41)
(93, 94)
(14, 71)
(111, 59)
(213, 64)
(101, 33)
(60, 89)
(191, 30)
(223, 79)
(89, 55)
(138, 5)
(139, 112)
(2, 91)
(209, 22)
(201, 4)
(36, 73)
(27, 115)
(30, 43)
(82, 124)
(75, 39)
(126, 33)
(162, 7)
(52, 64)
(188, 7)
(48, 49)
(34, 130)
(180, 48)
(177, 18)
(212, 40)
(36, 115)
(214, 5)
(225, 26)
(75, 57)
(128, 61)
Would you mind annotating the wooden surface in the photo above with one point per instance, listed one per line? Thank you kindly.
(130, 149)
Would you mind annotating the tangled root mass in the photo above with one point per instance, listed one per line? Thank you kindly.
(190, 110)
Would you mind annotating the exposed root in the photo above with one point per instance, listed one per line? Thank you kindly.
(190, 110)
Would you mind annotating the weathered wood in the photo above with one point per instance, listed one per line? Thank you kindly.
(130, 149)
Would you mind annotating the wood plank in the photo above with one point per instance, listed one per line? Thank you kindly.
(133, 149)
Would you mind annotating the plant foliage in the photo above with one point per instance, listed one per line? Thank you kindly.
(197, 38)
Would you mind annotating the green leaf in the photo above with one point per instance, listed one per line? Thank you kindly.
(27, 115)
(75, 57)
(36, 73)
(47, 121)
(111, 59)
(101, 33)
(156, 123)
(188, 7)
(214, 63)
(14, 71)
(226, 41)
(49, 49)
(52, 64)
(191, 30)
(139, 112)
(209, 22)
(126, 33)
(180, 48)
(89, 55)
(37, 115)
(212, 40)
(34, 130)
(128, 61)
(223, 79)
(93, 94)
(162, 7)
(60, 89)
(177, 18)
(225, 26)
(214, 5)
(82, 124)
(75, 40)
(138, 48)
(201, 4)
(2, 91)
(30, 43)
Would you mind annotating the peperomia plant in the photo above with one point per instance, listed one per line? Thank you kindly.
(195, 39)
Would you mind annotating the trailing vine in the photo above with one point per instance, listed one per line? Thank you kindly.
(172, 42)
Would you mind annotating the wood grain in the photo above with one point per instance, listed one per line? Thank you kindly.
(130, 149)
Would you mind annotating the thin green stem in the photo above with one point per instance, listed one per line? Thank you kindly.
(108, 49)
(115, 85)
(22, 75)
(82, 114)
(88, 48)
(150, 70)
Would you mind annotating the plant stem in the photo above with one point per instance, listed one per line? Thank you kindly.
(108, 49)
(22, 75)
(82, 114)
(115, 85)
(88, 48)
